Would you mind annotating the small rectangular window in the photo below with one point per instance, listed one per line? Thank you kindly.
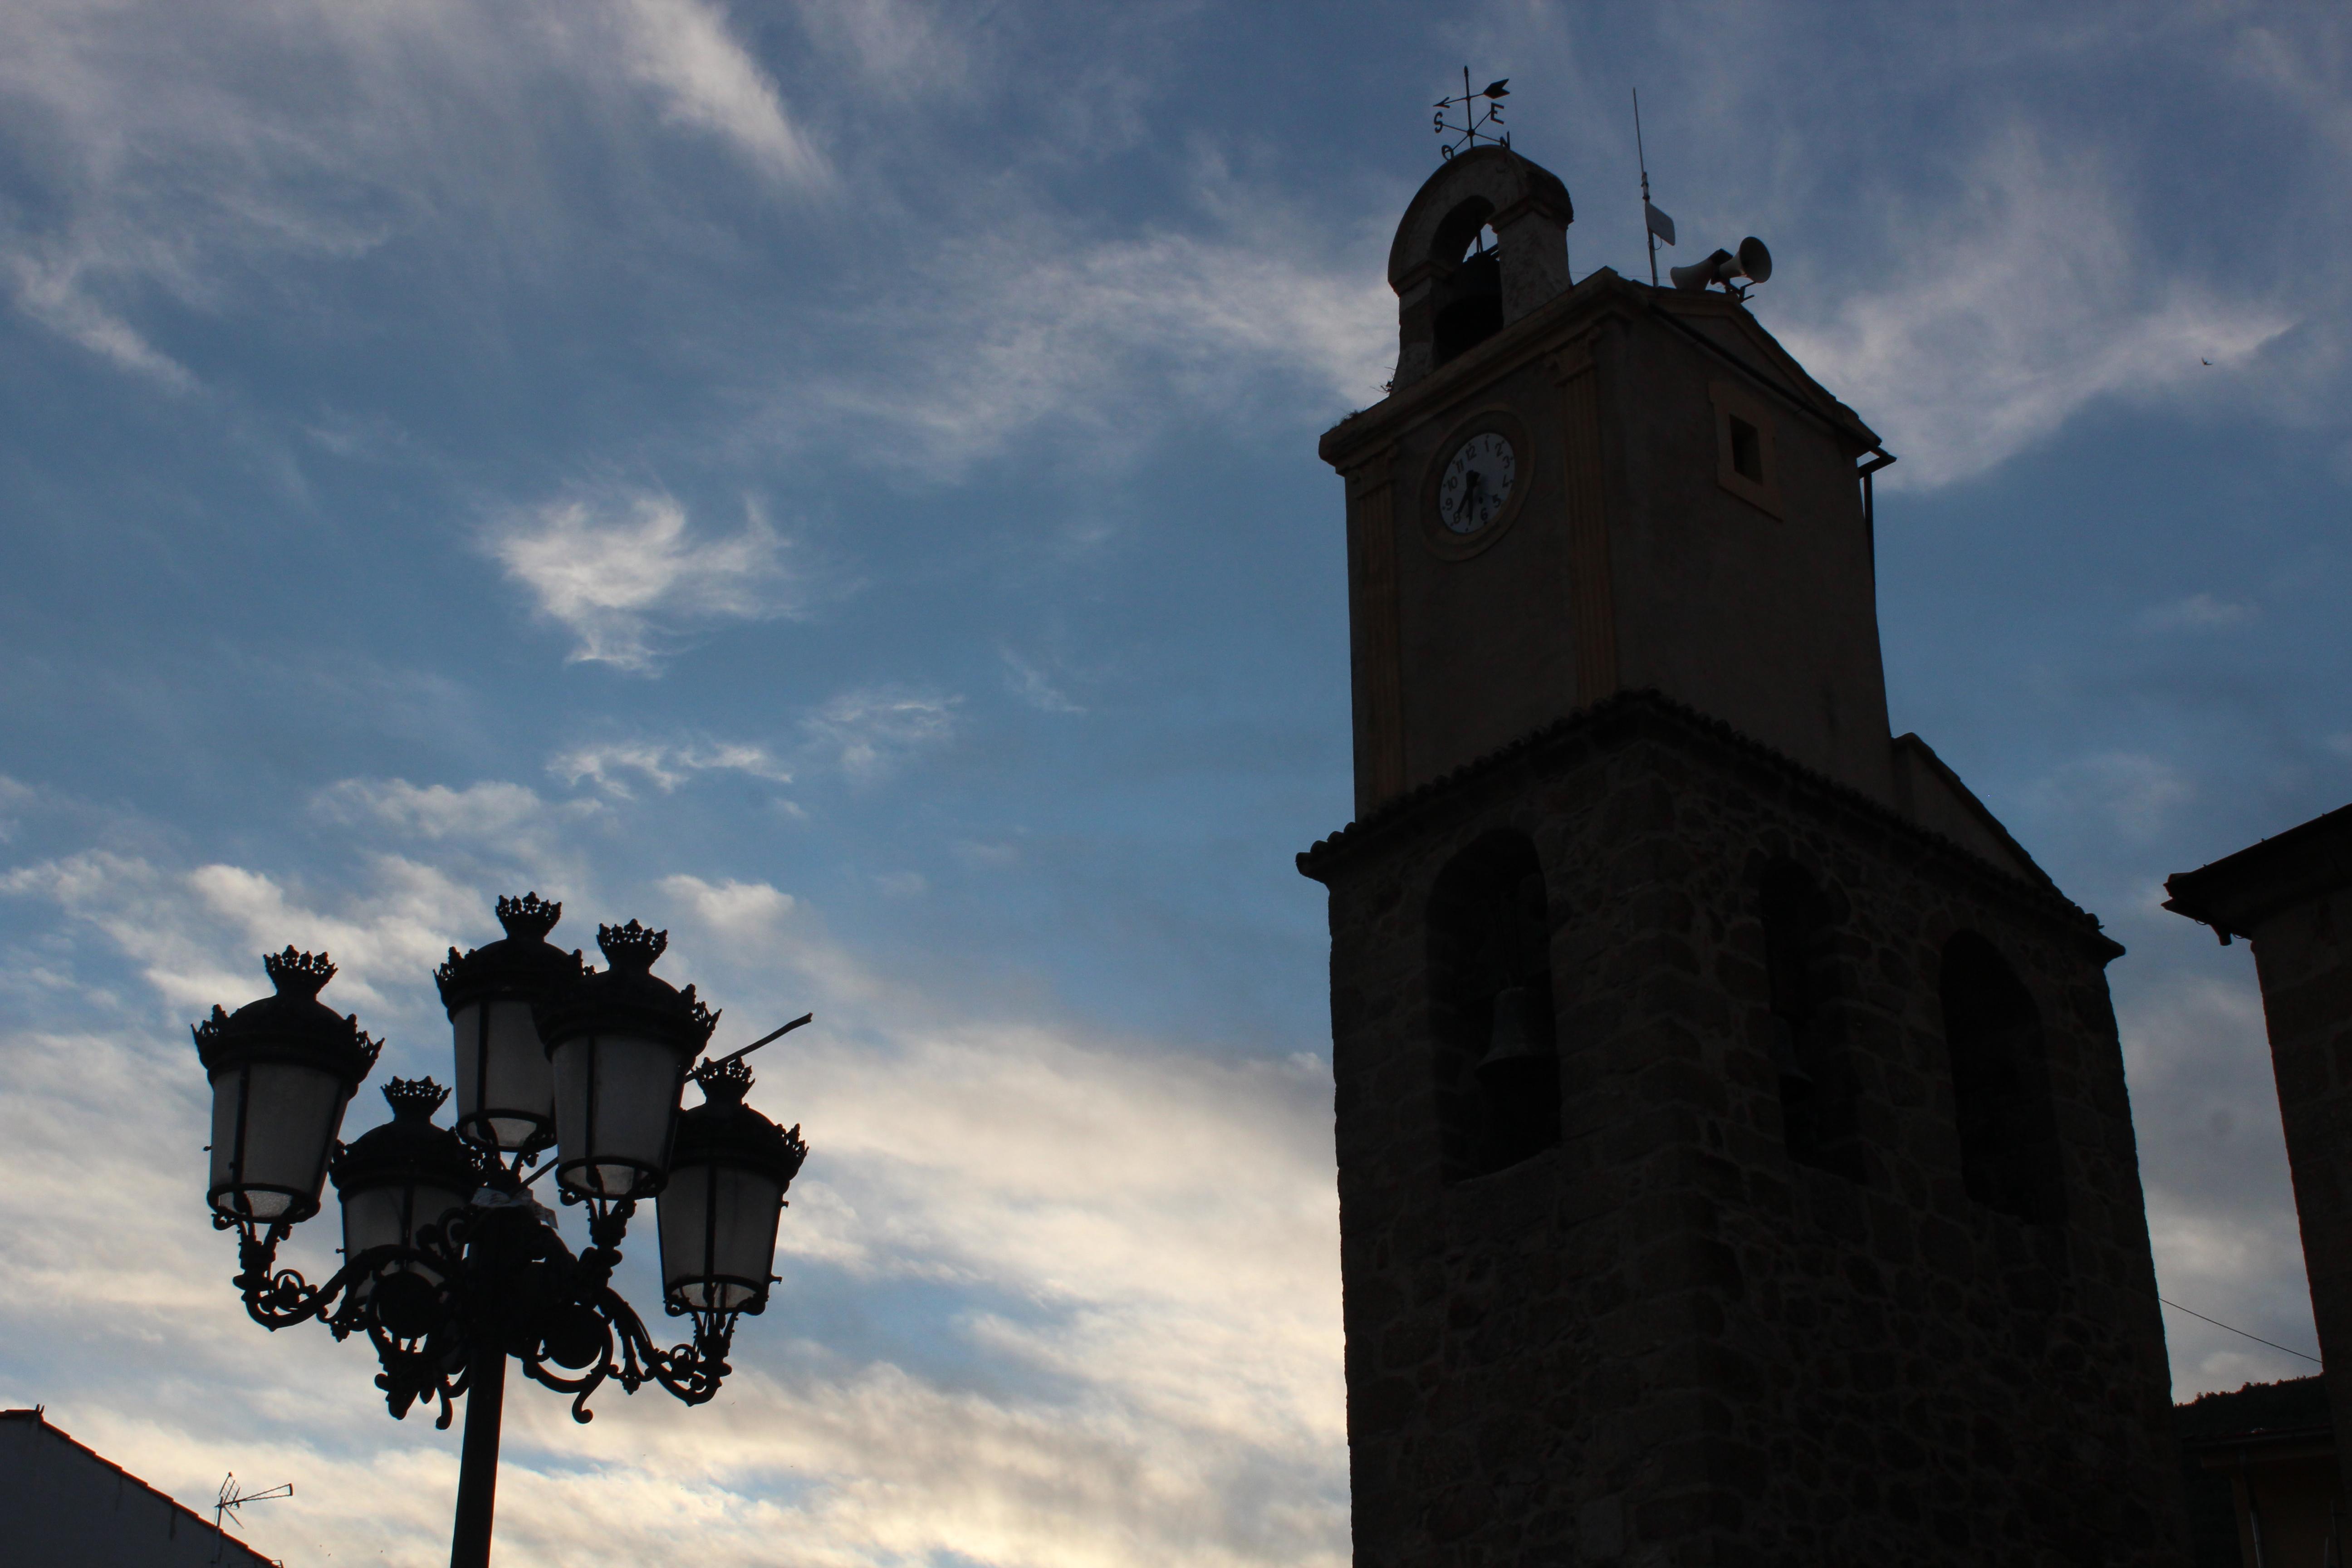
(1746, 462)
(1747, 450)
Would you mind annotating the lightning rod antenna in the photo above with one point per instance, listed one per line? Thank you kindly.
(1648, 235)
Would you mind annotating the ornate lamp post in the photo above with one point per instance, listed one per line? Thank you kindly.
(449, 1264)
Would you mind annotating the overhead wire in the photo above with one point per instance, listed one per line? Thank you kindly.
(2240, 1332)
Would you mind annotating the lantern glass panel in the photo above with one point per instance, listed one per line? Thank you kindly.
(718, 1236)
(392, 1214)
(273, 1124)
(615, 1104)
(501, 1068)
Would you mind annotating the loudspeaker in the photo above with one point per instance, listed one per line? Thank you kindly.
(1754, 263)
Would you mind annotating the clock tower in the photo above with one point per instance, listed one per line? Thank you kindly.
(1735, 1160)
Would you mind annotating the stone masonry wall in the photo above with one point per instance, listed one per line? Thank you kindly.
(1662, 1343)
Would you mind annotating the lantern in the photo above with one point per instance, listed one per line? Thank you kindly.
(282, 1070)
(506, 1096)
(726, 1181)
(405, 1175)
(394, 1182)
(619, 1042)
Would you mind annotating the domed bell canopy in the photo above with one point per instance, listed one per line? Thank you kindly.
(727, 1182)
(1449, 299)
(506, 1095)
(282, 1070)
(619, 1042)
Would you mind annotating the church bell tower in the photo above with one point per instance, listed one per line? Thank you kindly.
(1735, 1160)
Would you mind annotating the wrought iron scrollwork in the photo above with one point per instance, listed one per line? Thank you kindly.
(492, 1277)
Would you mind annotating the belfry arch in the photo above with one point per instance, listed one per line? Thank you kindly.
(1491, 1007)
(1448, 303)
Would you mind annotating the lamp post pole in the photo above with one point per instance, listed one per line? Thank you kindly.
(477, 1463)
(450, 1266)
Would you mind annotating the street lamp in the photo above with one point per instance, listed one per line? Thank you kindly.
(450, 1266)
(506, 1096)
(282, 1070)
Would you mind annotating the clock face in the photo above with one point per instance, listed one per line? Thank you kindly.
(1476, 483)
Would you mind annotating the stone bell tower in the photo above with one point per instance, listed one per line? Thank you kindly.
(1735, 1160)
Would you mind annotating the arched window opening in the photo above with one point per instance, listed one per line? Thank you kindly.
(2008, 1135)
(1817, 1090)
(1491, 1002)
(1469, 300)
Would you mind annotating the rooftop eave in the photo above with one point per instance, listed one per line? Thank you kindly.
(1800, 387)
(2237, 893)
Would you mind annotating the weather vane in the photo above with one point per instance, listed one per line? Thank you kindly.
(1475, 120)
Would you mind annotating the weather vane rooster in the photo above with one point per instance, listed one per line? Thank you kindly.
(1476, 121)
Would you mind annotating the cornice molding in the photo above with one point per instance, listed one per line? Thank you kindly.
(1650, 713)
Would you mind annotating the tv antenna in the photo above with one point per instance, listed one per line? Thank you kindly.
(232, 1498)
(1475, 121)
(1656, 224)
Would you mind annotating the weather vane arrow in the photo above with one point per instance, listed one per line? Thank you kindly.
(1476, 121)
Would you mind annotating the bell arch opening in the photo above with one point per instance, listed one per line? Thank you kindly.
(1805, 1030)
(2010, 1158)
(1468, 300)
(1496, 1066)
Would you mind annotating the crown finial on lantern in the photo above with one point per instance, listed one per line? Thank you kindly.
(632, 948)
(530, 916)
(725, 1081)
(298, 974)
(414, 1099)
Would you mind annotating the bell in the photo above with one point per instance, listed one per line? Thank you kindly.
(1519, 1035)
(1518, 1079)
(1781, 1033)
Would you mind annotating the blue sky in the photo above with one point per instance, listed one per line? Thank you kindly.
(837, 480)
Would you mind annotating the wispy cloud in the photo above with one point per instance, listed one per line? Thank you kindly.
(197, 933)
(870, 731)
(2016, 307)
(2126, 793)
(864, 734)
(2199, 612)
(684, 49)
(491, 834)
(901, 49)
(15, 797)
(51, 291)
(1033, 685)
(1038, 324)
(186, 182)
(611, 764)
(625, 573)
(433, 810)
